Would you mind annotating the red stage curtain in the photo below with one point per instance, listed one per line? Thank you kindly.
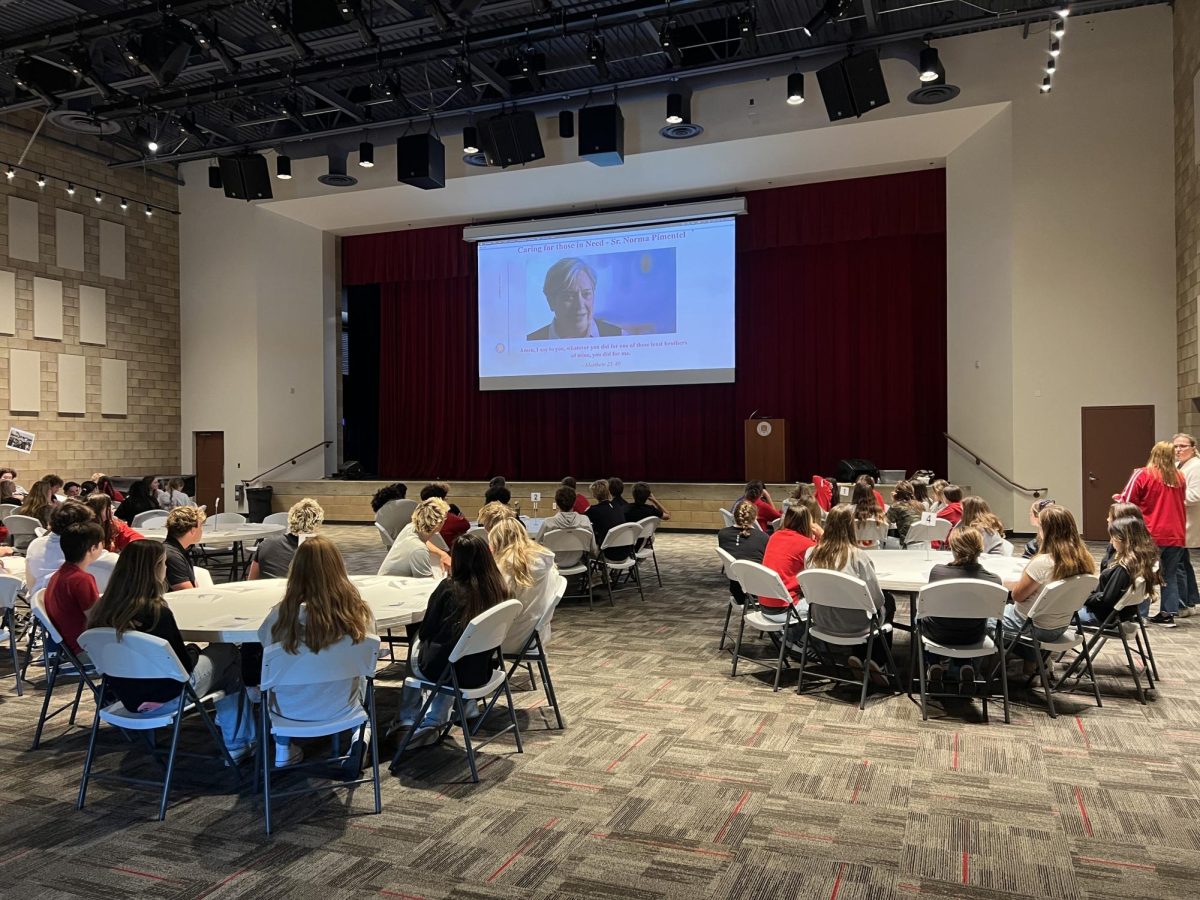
(841, 330)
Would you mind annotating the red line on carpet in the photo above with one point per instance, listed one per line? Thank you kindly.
(402, 896)
(658, 690)
(753, 742)
(612, 765)
(954, 762)
(15, 857)
(220, 884)
(837, 882)
(824, 838)
(1086, 742)
(136, 872)
(663, 628)
(964, 868)
(1087, 823)
(1120, 865)
(736, 809)
(508, 862)
(858, 782)
(590, 787)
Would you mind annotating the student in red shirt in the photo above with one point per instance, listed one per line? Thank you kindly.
(581, 504)
(785, 554)
(456, 523)
(1159, 491)
(117, 535)
(952, 511)
(71, 591)
(756, 493)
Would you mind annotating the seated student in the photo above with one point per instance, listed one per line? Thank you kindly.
(839, 551)
(175, 495)
(581, 503)
(951, 511)
(529, 572)
(616, 491)
(388, 493)
(1031, 546)
(921, 491)
(498, 494)
(1118, 511)
(87, 488)
(273, 557)
(456, 523)
(966, 543)
(105, 486)
(976, 513)
(869, 483)
(567, 516)
(491, 514)
(185, 528)
(905, 510)
(139, 500)
(743, 540)
(117, 535)
(604, 516)
(44, 554)
(160, 494)
(867, 510)
(645, 505)
(1062, 554)
(1135, 555)
(320, 606)
(13, 490)
(475, 585)
(71, 591)
(757, 493)
(805, 494)
(937, 498)
(134, 602)
(39, 503)
(411, 553)
(72, 490)
(785, 553)
(56, 486)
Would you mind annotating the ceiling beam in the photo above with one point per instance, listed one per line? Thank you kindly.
(498, 82)
(871, 16)
(337, 101)
(111, 22)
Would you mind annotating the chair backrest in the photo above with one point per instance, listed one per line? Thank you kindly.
(544, 615)
(649, 526)
(477, 530)
(203, 576)
(339, 661)
(226, 518)
(22, 530)
(727, 561)
(38, 607)
(870, 531)
(487, 630)
(7, 509)
(10, 586)
(825, 587)
(962, 598)
(919, 533)
(150, 515)
(388, 540)
(133, 655)
(726, 517)
(622, 536)
(1058, 601)
(1135, 595)
(395, 514)
(1006, 548)
(759, 581)
(279, 518)
(438, 541)
(101, 570)
(569, 545)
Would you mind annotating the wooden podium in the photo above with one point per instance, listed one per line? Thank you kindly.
(766, 450)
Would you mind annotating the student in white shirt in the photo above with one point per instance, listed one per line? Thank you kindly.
(529, 571)
(412, 551)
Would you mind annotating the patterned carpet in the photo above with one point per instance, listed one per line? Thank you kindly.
(671, 781)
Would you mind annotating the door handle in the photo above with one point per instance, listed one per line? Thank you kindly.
(1091, 477)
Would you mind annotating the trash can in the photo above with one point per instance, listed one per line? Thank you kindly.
(258, 499)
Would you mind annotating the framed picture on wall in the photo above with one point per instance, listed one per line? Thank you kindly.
(21, 441)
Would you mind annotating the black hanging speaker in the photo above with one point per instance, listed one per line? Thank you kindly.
(511, 139)
(246, 177)
(602, 135)
(421, 161)
(853, 86)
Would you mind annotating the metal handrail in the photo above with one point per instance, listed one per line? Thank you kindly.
(980, 461)
(290, 459)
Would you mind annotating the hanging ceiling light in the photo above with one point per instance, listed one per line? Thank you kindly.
(666, 34)
(125, 203)
(11, 173)
(1059, 28)
(1047, 85)
(70, 189)
(470, 139)
(1063, 11)
(1055, 47)
(795, 89)
(1051, 65)
(99, 197)
(930, 66)
(283, 167)
(41, 181)
(149, 211)
(674, 108)
(366, 155)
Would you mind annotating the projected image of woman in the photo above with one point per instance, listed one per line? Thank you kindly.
(570, 289)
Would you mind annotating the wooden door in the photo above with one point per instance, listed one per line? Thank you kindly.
(210, 469)
(1116, 440)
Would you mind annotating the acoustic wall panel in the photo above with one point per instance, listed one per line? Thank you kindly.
(114, 388)
(22, 229)
(24, 381)
(92, 315)
(8, 302)
(68, 239)
(47, 309)
(112, 249)
(72, 383)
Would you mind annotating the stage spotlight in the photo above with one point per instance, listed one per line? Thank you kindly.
(152, 145)
(666, 34)
(675, 109)
(1047, 85)
(161, 52)
(281, 25)
(214, 178)
(283, 167)
(795, 89)
(930, 66)
(366, 155)
(470, 139)
(42, 80)
(461, 73)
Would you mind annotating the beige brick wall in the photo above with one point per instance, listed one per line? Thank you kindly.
(1187, 209)
(142, 315)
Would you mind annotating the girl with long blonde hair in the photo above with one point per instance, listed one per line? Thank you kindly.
(1159, 491)
(529, 572)
(977, 514)
(39, 503)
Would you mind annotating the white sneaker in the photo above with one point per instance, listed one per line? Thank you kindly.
(1185, 612)
(294, 756)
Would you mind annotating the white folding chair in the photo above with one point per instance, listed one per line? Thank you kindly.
(134, 655)
(10, 586)
(101, 570)
(726, 517)
(533, 650)
(339, 662)
(645, 551)
(1054, 607)
(727, 562)
(225, 518)
(958, 598)
(478, 530)
(440, 542)
(7, 509)
(1006, 548)
(758, 581)
(874, 532)
(151, 518)
(394, 515)
(483, 634)
(203, 577)
(279, 518)
(620, 538)
(21, 531)
(61, 661)
(384, 536)
(837, 590)
(234, 552)
(572, 549)
(919, 533)
(1114, 626)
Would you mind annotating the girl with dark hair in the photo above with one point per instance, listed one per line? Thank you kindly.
(1134, 556)
(140, 499)
(905, 509)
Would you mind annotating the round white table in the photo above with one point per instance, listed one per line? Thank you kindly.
(232, 613)
(907, 571)
(219, 535)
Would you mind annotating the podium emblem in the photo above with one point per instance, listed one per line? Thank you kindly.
(763, 429)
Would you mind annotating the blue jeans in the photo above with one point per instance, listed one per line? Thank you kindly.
(1188, 594)
(1171, 562)
(1013, 623)
(1087, 617)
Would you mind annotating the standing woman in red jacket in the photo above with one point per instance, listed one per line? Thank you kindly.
(1158, 490)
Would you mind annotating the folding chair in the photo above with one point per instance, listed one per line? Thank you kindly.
(150, 519)
(620, 537)
(341, 661)
(478, 530)
(572, 548)
(1054, 607)
(219, 520)
(958, 598)
(727, 562)
(137, 656)
(875, 532)
(837, 590)
(440, 542)
(757, 580)
(21, 531)
(61, 661)
(1114, 627)
(919, 534)
(394, 515)
(7, 509)
(645, 551)
(534, 651)
(279, 518)
(385, 536)
(726, 517)
(10, 585)
(484, 634)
